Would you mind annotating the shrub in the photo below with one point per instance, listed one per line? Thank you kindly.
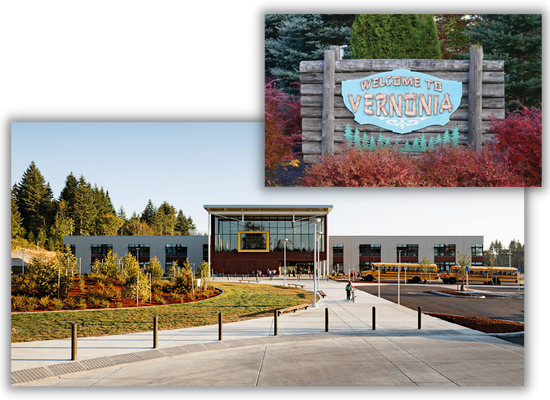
(282, 128)
(18, 302)
(71, 302)
(44, 274)
(130, 287)
(108, 267)
(31, 304)
(57, 304)
(82, 303)
(460, 166)
(353, 168)
(519, 139)
(118, 304)
(155, 269)
(44, 302)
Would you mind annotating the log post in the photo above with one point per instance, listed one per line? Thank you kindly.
(327, 129)
(474, 97)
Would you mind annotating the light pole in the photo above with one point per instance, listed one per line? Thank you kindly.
(23, 266)
(315, 221)
(37, 243)
(285, 240)
(399, 279)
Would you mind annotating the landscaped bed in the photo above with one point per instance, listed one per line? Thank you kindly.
(238, 302)
(89, 293)
(487, 325)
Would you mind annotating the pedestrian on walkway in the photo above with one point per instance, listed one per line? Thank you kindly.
(349, 288)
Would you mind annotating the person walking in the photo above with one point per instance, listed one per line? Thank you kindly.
(349, 288)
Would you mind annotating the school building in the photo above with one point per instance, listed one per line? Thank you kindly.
(243, 239)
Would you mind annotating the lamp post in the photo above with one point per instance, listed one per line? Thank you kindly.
(315, 221)
(23, 265)
(285, 240)
(399, 279)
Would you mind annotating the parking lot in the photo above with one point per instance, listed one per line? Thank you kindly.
(500, 302)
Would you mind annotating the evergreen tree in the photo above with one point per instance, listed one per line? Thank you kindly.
(365, 142)
(16, 220)
(357, 140)
(167, 218)
(68, 194)
(293, 38)
(429, 46)
(63, 225)
(184, 225)
(431, 143)
(455, 139)
(84, 208)
(34, 200)
(516, 39)
(148, 213)
(407, 146)
(400, 36)
(415, 145)
(423, 144)
(348, 136)
(438, 140)
(446, 138)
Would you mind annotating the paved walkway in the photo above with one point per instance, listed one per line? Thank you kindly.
(351, 353)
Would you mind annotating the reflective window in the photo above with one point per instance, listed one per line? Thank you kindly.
(444, 250)
(101, 250)
(176, 250)
(477, 250)
(407, 250)
(369, 250)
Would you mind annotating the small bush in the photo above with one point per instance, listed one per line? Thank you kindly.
(19, 302)
(447, 166)
(71, 302)
(460, 167)
(31, 304)
(44, 302)
(519, 139)
(353, 168)
(82, 303)
(57, 304)
(118, 304)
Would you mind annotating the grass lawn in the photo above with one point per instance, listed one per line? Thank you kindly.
(240, 301)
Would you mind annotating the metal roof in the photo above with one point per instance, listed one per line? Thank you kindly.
(268, 208)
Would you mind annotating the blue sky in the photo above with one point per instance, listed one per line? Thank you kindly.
(192, 164)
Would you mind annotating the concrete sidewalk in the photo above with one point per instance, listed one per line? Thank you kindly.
(396, 337)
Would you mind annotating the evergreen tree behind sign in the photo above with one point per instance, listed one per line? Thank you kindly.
(400, 36)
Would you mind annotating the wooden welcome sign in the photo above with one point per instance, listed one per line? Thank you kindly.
(401, 99)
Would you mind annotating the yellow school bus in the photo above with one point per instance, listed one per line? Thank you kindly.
(412, 272)
(497, 275)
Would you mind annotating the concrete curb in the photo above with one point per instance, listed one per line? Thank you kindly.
(452, 295)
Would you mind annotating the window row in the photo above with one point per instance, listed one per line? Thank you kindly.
(407, 250)
(238, 235)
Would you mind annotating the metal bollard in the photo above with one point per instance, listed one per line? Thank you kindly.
(419, 317)
(373, 318)
(155, 332)
(275, 327)
(220, 327)
(326, 319)
(73, 342)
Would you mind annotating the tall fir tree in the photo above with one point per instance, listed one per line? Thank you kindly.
(516, 39)
(16, 220)
(85, 212)
(34, 200)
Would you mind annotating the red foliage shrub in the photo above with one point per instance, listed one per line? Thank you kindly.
(459, 166)
(519, 139)
(353, 168)
(282, 127)
(446, 166)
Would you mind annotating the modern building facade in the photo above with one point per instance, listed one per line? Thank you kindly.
(249, 238)
(167, 249)
(244, 239)
(357, 252)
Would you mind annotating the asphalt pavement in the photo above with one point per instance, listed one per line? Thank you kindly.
(490, 302)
